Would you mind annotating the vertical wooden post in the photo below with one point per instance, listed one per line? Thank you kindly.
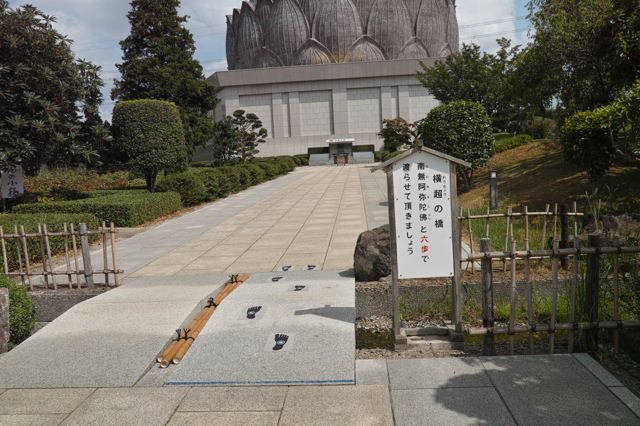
(75, 255)
(23, 238)
(66, 254)
(47, 247)
(456, 294)
(113, 255)
(5, 260)
(4, 320)
(564, 232)
(593, 292)
(487, 297)
(512, 299)
(86, 255)
(44, 257)
(555, 266)
(105, 257)
(395, 289)
(527, 279)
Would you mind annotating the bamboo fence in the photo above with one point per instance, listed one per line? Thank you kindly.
(72, 268)
(570, 256)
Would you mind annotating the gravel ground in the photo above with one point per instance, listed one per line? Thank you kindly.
(620, 364)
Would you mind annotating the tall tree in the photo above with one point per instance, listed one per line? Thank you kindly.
(476, 76)
(41, 92)
(583, 52)
(158, 63)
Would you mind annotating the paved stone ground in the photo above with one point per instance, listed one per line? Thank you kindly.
(309, 217)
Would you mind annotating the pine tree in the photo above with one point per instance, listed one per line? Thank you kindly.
(158, 63)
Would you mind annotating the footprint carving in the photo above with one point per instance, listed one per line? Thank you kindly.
(280, 339)
(298, 288)
(251, 312)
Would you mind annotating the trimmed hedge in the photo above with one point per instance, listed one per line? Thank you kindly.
(54, 222)
(188, 184)
(125, 208)
(22, 312)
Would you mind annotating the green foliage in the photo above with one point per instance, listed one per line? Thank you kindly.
(217, 184)
(123, 208)
(22, 312)
(397, 133)
(158, 63)
(382, 156)
(55, 223)
(43, 92)
(511, 141)
(479, 77)
(150, 134)
(188, 184)
(461, 129)
(587, 141)
(225, 142)
(583, 52)
(540, 127)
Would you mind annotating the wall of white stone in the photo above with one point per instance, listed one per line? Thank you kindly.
(364, 113)
(301, 115)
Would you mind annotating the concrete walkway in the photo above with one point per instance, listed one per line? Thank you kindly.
(94, 365)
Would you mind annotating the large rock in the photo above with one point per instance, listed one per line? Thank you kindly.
(372, 257)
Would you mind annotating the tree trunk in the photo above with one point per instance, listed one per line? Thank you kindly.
(150, 179)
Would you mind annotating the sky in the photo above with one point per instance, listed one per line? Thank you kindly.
(97, 26)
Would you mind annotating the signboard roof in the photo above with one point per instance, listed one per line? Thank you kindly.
(424, 149)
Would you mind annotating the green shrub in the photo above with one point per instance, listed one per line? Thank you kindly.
(124, 208)
(233, 177)
(55, 223)
(463, 130)
(22, 312)
(540, 127)
(301, 159)
(270, 169)
(188, 184)
(74, 181)
(215, 182)
(502, 144)
(382, 156)
(244, 176)
(257, 173)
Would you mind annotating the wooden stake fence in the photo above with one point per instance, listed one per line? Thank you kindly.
(74, 260)
(559, 255)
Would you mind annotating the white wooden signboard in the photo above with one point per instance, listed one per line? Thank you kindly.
(422, 195)
(12, 183)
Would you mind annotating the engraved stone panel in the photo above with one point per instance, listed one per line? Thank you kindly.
(315, 113)
(364, 110)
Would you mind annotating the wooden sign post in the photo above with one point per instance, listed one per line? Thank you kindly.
(425, 235)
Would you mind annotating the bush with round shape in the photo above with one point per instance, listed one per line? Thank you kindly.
(461, 129)
(149, 133)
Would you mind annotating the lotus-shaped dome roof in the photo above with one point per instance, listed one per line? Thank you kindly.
(269, 33)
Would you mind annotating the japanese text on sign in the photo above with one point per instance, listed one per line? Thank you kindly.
(12, 183)
(423, 216)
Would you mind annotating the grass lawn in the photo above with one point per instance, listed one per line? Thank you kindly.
(536, 174)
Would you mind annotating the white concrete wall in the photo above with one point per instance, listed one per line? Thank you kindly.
(305, 114)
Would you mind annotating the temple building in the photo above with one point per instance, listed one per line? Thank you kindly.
(317, 71)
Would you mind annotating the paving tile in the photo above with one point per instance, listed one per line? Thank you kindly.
(42, 401)
(372, 372)
(337, 405)
(128, 406)
(264, 418)
(555, 390)
(597, 370)
(32, 420)
(431, 373)
(264, 398)
(628, 398)
(449, 406)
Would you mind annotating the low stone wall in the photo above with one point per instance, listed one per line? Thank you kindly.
(50, 304)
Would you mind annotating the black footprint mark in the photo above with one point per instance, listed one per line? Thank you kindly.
(276, 279)
(311, 267)
(298, 288)
(281, 339)
(251, 312)
(286, 268)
